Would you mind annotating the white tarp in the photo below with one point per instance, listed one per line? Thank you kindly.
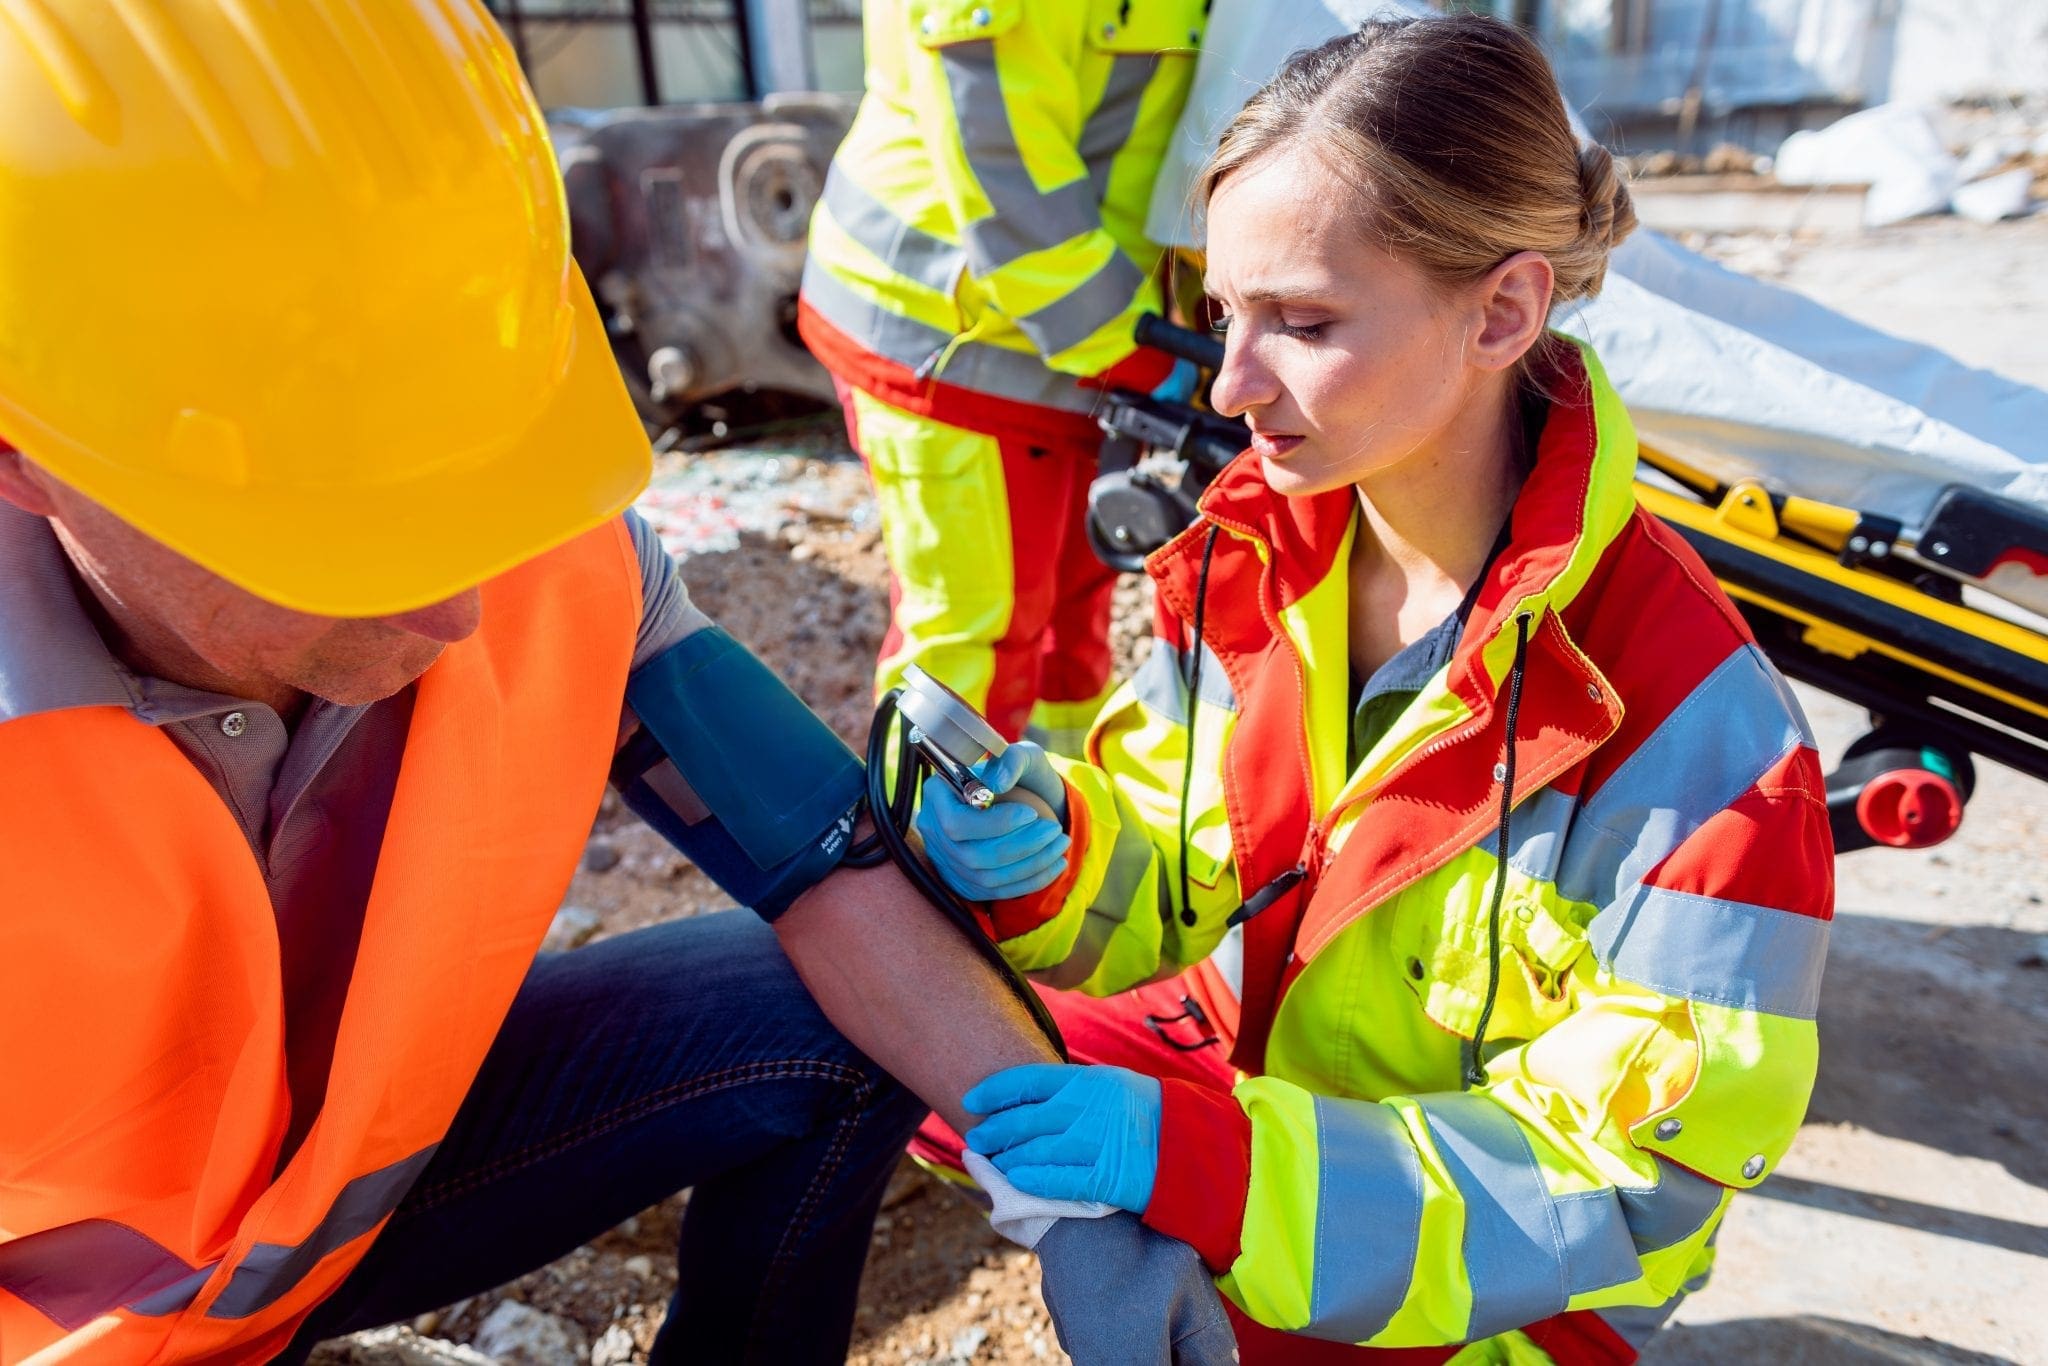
(1738, 376)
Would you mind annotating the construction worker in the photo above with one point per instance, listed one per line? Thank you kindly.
(320, 633)
(977, 264)
(1500, 851)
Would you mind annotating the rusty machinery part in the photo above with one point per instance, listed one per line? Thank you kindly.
(689, 221)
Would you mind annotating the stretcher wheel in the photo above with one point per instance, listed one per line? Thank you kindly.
(1899, 788)
(1909, 808)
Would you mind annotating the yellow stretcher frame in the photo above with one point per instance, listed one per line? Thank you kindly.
(1869, 630)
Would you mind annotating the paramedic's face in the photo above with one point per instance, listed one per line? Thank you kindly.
(1345, 360)
(205, 631)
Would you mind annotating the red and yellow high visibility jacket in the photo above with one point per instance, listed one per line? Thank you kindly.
(980, 241)
(142, 1213)
(1667, 894)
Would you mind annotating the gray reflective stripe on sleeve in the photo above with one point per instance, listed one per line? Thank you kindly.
(269, 1270)
(1673, 1210)
(985, 369)
(1078, 314)
(1110, 127)
(1726, 953)
(1130, 858)
(74, 1273)
(1536, 833)
(1598, 1251)
(1161, 682)
(1736, 724)
(910, 252)
(1526, 1251)
(1636, 1324)
(1024, 219)
(1368, 1219)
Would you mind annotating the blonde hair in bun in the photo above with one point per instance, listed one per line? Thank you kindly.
(1453, 134)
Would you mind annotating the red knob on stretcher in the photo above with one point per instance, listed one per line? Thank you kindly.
(1909, 808)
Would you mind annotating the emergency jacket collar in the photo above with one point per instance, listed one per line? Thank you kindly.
(1577, 498)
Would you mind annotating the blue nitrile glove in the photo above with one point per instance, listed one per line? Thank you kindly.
(1179, 384)
(1070, 1133)
(1007, 850)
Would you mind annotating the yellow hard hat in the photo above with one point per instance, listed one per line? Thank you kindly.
(285, 284)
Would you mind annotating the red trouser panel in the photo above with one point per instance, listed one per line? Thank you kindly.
(1152, 1030)
(1056, 644)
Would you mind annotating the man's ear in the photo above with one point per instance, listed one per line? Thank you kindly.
(1514, 303)
(20, 485)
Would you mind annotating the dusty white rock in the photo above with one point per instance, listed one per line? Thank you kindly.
(639, 1264)
(520, 1335)
(614, 1347)
(396, 1346)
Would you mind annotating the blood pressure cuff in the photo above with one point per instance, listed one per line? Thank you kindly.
(731, 768)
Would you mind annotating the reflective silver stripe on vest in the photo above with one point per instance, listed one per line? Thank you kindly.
(1024, 219)
(75, 1272)
(176, 1296)
(1737, 723)
(1082, 311)
(910, 252)
(1666, 1214)
(1161, 682)
(1368, 1219)
(1526, 1251)
(1703, 948)
(1131, 858)
(268, 1271)
(1109, 128)
(985, 369)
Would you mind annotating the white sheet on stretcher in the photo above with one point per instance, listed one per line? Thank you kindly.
(1736, 376)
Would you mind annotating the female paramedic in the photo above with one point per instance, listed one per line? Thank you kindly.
(1498, 850)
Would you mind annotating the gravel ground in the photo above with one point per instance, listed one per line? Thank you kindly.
(1909, 1225)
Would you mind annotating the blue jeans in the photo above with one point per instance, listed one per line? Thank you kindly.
(685, 1054)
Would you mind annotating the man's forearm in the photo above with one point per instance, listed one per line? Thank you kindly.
(905, 986)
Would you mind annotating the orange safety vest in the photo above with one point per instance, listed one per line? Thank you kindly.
(142, 1080)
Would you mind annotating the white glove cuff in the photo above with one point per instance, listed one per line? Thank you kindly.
(1021, 1218)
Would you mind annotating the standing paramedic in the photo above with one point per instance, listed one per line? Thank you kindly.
(976, 267)
(1498, 851)
(321, 631)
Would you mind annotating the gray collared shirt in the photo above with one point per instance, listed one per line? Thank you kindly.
(311, 800)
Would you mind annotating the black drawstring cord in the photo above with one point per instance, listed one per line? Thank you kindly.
(1192, 676)
(1475, 1067)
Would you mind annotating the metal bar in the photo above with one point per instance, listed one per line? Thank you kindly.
(643, 45)
(776, 45)
(747, 41)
